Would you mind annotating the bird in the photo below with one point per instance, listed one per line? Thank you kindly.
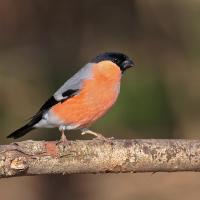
(83, 98)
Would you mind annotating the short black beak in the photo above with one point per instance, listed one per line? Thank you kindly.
(127, 64)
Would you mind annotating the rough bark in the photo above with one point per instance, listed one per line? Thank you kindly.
(98, 156)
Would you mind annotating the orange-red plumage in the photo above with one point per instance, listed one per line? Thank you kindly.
(96, 97)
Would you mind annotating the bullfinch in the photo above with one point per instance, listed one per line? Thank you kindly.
(83, 98)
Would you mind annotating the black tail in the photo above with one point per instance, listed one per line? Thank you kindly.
(21, 131)
(27, 128)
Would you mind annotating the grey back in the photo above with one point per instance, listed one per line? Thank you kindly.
(75, 82)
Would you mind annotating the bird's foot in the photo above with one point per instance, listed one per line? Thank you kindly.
(98, 136)
(63, 140)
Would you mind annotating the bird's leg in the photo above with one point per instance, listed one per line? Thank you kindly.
(63, 138)
(98, 135)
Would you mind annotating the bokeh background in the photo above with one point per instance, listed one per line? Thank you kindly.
(42, 43)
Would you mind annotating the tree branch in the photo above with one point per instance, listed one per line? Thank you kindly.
(95, 156)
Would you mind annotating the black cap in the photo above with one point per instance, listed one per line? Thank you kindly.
(120, 59)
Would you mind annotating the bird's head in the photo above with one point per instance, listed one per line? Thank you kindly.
(120, 59)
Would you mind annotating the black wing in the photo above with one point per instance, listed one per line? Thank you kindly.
(52, 101)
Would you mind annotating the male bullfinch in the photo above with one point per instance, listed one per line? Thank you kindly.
(82, 99)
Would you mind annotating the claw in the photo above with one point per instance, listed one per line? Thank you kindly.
(98, 136)
(63, 139)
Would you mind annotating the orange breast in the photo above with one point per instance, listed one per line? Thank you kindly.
(95, 98)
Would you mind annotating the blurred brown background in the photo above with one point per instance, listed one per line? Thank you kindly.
(42, 43)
